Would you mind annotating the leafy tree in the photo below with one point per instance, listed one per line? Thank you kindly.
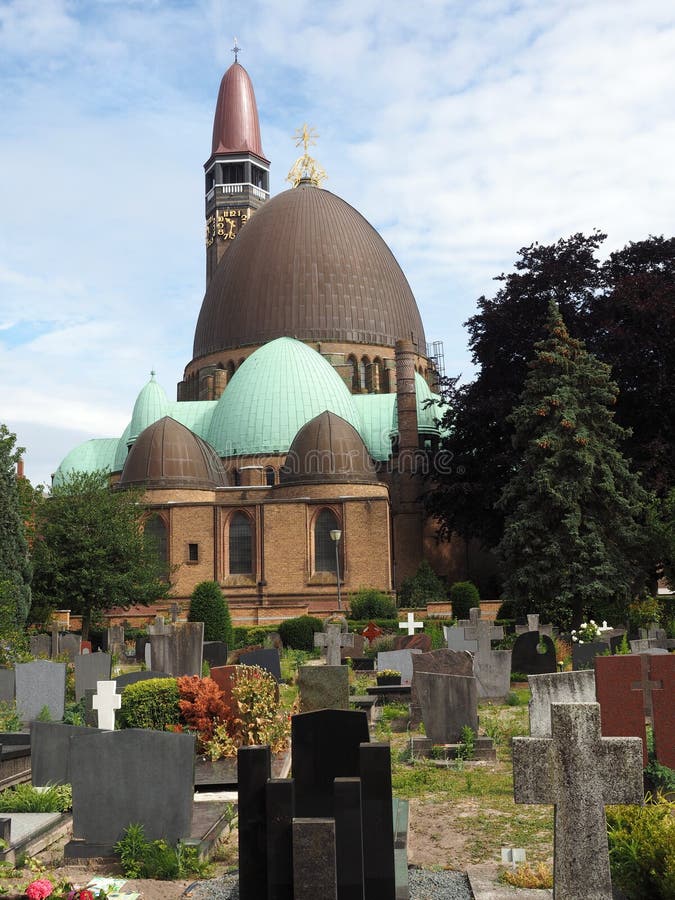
(421, 588)
(208, 605)
(15, 569)
(463, 595)
(574, 532)
(91, 552)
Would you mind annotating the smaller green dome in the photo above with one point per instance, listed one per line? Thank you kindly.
(151, 404)
(276, 391)
(95, 455)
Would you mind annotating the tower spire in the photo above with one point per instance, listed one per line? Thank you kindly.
(236, 49)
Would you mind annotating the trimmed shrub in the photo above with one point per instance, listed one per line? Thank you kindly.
(208, 605)
(421, 588)
(150, 704)
(369, 603)
(507, 611)
(463, 595)
(201, 706)
(245, 636)
(299, 633)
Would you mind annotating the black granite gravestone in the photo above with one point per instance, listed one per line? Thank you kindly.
(215, 653)
(377, 822)
(50, 748)
(280, 805)
(325, 746)
(254, 766)
(527, 657)
(266, 659)
(584, 654)
(348, 838)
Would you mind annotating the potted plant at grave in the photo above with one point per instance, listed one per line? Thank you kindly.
(388, 677)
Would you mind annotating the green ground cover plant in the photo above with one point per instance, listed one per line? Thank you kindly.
(24, 798)
(141, 858)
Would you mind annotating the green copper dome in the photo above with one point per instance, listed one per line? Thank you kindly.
(151, 404)
(427, 413)
(95, 455)
(276, 391)
(122, 450)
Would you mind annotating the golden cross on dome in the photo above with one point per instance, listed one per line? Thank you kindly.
(236, 49)
(306, 136)
(305, 168)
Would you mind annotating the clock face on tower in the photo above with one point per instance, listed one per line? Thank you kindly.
(224, 225)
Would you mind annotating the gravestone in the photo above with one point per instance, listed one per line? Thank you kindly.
(662, 670)
(50, 745)
(559, 687)
(7, 685)
(527, 658)
(492, 668)
(448, 704)
(641, 645)
(313, 840)
(159, 798)
(40, 645)
(325, 746)
(105, 701)
(399, 661)
(356, 651)
(410, 625)
(69, 645)
(533, 625)
(579, 772)
(454, 637)
(254, 769)
(224, 677)
(413, 642)
(333, 640)
(40, 684)
(265, 659)
(657, 636)
(215, 653)
(178, 651)
(583, 655)
(323, 687)
(54, 649)
(441, 662)
(279, 806)
(377, 821)
(91, 668)
(116, 641)
(372, 631)
(128, 678)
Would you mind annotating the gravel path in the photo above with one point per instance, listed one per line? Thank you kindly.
(424, 885)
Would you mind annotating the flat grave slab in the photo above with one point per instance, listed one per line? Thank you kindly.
(32, 832)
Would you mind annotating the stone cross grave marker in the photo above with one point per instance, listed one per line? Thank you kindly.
(332, 639)
(533, 625)
(646, 686)
(492, 668)
(579, 772)
(411, 624)
(106, 701)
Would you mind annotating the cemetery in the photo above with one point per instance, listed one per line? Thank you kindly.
(289, 771)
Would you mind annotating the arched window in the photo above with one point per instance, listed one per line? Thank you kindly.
(230, 371)
(241, 545)
(270, 476)
(156, 530)
(377, 375)
(324, 546)
(363, 368)
(354, 372)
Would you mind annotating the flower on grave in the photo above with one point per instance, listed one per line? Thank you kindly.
(389, 673)
(38, 890)
(83, 894)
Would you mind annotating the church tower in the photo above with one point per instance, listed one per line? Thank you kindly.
(237, 173)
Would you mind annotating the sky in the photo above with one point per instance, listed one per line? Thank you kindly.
(462, 131)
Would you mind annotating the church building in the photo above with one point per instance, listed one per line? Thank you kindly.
(296, 448)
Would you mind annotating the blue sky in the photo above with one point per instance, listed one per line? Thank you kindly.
(461, 130)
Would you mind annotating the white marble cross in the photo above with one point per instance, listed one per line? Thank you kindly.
(579, 772)
(332, 639)
(106, 701)
(411, 624)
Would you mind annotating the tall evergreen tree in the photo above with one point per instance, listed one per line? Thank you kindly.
(15, 569)
(575, 515)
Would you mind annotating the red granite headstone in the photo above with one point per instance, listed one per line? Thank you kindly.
(622, 706)
(372, 631)
(224, 677)
(413, 642)
(85, 647)
(662, 669)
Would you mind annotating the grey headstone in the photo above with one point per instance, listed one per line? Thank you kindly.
(116, 640)
(7, 685)
(657, 636)
(584, 654)
(179, 652)
(157, 795)
(90, 668)
(641, 645)
(559, 687)
(50, 751)
(38, 684)
(399, 660)
(40, 645)
(579, 772)
(333, 640)
(441, 662)
(314, 867)
(266, 659)
(455, 639)
(357, 650)
(135, 677)
(448, 703)
(492, 668)
(323, 687)
(69, 645)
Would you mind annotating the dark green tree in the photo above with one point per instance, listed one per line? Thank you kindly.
(90, 551)
(463, 595)
(421, 588)
(208, 605)
(575, 516)
(15, 568)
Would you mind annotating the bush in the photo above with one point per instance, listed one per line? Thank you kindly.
(421, 588)
(369, 603)
(299, 633)
(642, 849)
(463, 596)
(150, 704)
(24, 798)
(201, 706)
(208, 605)
(506, 611)
(245, 636)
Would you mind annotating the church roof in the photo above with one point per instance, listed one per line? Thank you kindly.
(169, 455)
(272, 395)
(151, 404)
(97, 454)
(307, 265)
(327, 449)
(235, 124)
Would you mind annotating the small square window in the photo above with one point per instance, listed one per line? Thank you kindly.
(193, 552)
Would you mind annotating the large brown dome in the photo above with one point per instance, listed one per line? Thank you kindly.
(308, 266)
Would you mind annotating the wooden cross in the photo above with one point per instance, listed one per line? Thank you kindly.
(333, 639)
(106, 701)
(646, 685)
(411, 624)
(579, 772)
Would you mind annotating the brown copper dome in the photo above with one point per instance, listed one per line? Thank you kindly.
(307, 266)
(327, 448)
(169, 455)
(235, 124)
